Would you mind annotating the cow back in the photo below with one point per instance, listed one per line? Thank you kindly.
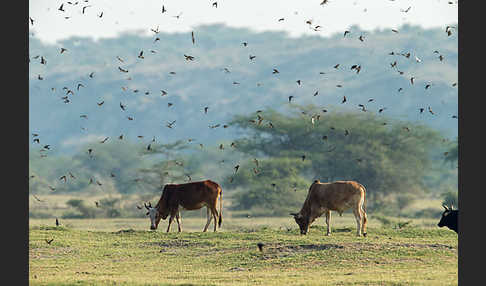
(192, 196)
(336, 196)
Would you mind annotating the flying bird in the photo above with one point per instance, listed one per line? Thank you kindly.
(192, 37)
(405, 11)
(345, 33)
(344, 99)
(252, 57)
(38, 199)
(100, 103)
(48, 241)
(140, 55)
(290, 98)
(84, 8)
(170, 124)
(123, 107)
(215, 4)
(188, 58)
(61, 7)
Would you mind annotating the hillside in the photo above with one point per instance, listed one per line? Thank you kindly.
(246, 86)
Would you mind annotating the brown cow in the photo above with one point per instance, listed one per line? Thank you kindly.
(190, 196)
(335, 196)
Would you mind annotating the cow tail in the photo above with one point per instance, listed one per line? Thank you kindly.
(365, 219)
(220, 220)
(364, 200)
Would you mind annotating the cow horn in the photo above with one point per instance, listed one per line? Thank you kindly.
(452, 206)
(445, 207)
(146, 206)
(294, 214)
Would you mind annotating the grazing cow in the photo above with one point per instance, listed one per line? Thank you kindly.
(190, 196)
(334, 196)
(449, 218)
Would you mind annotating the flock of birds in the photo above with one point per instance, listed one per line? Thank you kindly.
(69, 92)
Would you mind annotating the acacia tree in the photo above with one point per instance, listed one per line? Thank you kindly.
(387, 156)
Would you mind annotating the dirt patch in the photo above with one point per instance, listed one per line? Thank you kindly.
(46, 253)
(122, 231)
(380, 246)
(177, 243)
(418, 245)
(305, 247)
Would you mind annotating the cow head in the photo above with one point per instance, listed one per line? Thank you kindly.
(154, 216)
(302, 221)
(449, 218)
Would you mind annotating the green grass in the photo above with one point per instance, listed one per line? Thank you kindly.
(125, 252)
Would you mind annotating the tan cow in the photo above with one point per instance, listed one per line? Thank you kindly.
(190, 196)
(334, 196)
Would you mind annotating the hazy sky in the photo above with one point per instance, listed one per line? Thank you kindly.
(118, 16)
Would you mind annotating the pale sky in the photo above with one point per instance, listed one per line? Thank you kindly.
(336, 16)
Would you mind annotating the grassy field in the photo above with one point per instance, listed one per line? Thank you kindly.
(125, 252)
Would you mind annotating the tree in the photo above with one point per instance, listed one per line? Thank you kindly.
(344, 145)
(274, 187)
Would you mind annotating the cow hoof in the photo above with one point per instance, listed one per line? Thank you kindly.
(364, 234)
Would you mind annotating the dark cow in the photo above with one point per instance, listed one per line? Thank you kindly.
(190, 196)
(334, 196)
(449, 218)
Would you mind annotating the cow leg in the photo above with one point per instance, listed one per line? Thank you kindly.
(209, 219)
(173, 213)
(171, 218)
(328, 222)
(215, 216)
(365, 220)
(178, 218)
(357, 216)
